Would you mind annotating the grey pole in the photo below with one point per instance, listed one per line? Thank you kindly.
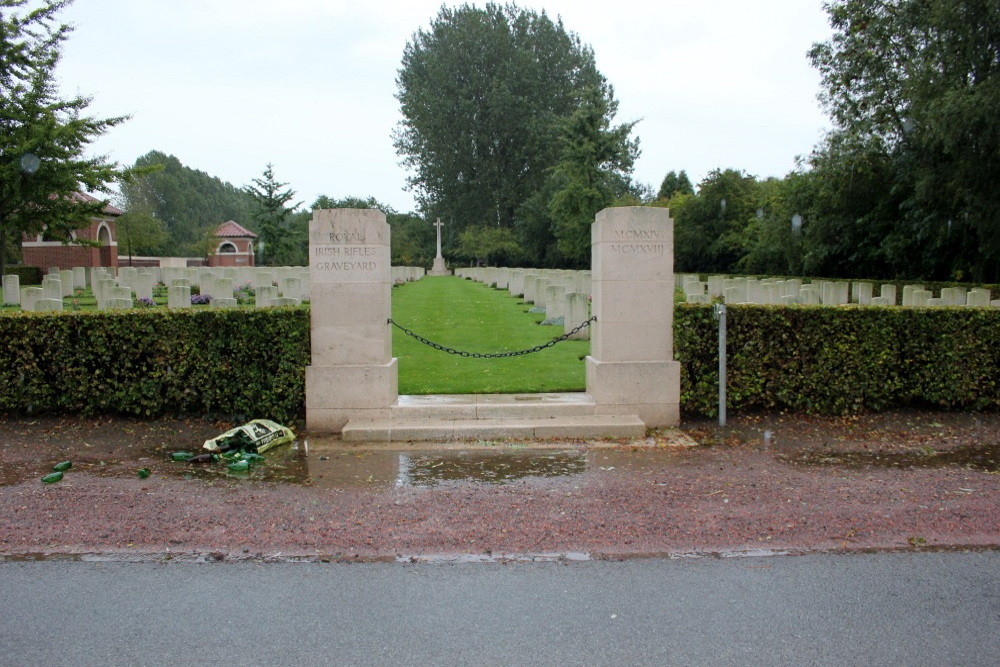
(720, 314)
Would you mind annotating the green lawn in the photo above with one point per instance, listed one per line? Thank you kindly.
(470, 316)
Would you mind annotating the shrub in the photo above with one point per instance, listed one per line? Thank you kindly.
(244, 363)
(825, 360)
(233, 363)
(27, 275)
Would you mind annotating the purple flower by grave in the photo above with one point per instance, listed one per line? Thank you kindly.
(144, 302)
(200, 299)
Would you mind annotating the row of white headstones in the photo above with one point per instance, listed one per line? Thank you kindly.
(274, 286)
(774, 291)
(566, 295)
(563, 295)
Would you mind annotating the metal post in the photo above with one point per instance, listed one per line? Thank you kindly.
(720, 314)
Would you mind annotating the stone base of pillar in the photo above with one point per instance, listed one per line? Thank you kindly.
(650, 390)
(439, 268)
(337, 394)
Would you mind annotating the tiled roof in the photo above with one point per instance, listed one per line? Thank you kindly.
(232, 229)
(87, 199)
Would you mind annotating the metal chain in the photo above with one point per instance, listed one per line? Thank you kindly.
(495, 355)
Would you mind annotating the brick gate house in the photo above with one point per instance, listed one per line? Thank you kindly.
(235, 246)
(44, 253)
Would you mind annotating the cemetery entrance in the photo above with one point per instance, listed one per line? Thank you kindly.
(352, 383)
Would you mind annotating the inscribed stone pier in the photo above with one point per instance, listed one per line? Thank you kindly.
(352, 373)
(630, 370)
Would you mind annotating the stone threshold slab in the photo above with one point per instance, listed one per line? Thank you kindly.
(410, 430)
(494, 406)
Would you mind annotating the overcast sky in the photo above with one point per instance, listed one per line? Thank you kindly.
(228, 86)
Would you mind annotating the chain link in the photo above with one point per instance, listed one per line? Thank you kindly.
(494, 355)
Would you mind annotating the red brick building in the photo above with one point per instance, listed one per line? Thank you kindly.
(235, 247)
(44, 253)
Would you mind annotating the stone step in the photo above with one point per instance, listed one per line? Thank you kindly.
(494, 406)
(429, 429)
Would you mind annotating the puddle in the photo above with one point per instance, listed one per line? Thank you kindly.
(492, 468)
(331, 467)
(984, 458)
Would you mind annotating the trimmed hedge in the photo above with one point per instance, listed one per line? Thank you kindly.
(244, 363)
(239, 363)
(27, 275)
(824, 360)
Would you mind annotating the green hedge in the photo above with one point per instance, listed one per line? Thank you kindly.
(27, 275)
(824, 360)
(239, 363)
(244, 363)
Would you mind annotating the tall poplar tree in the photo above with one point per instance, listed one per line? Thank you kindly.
(484, 94)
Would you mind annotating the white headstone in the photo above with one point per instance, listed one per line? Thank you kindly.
(12, 290)
(29, 295)
(179, 296)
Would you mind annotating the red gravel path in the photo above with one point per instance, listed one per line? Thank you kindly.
(737, 494)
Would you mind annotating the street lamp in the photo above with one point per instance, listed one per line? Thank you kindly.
(30, 164)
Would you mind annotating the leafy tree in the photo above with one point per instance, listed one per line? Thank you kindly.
(710, 227)
(914, 86)
(593, 170)
(42, 136)
(190, 203)
(276, 238)
(324, 201)
(139, 233)
(489, 245)
(484, 93)
(674, 183)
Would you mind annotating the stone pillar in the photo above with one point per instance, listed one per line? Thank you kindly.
(352, 374)
(631, 370)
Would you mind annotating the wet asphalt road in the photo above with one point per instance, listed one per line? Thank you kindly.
(881, 609)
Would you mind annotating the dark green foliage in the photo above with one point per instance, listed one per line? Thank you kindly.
(674, 183)
(27, 275)
(823, 360)
(189, 204)
(481, 92)
(710, 228)
(242, 364)
(503, 108)
(913, 87)
(236, 363)
(488, 246)
(279, 243)
(593, 170)
(44, 138)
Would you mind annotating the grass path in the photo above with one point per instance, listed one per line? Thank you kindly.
(467, 315)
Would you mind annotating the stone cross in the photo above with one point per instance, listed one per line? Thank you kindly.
(439, 224)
